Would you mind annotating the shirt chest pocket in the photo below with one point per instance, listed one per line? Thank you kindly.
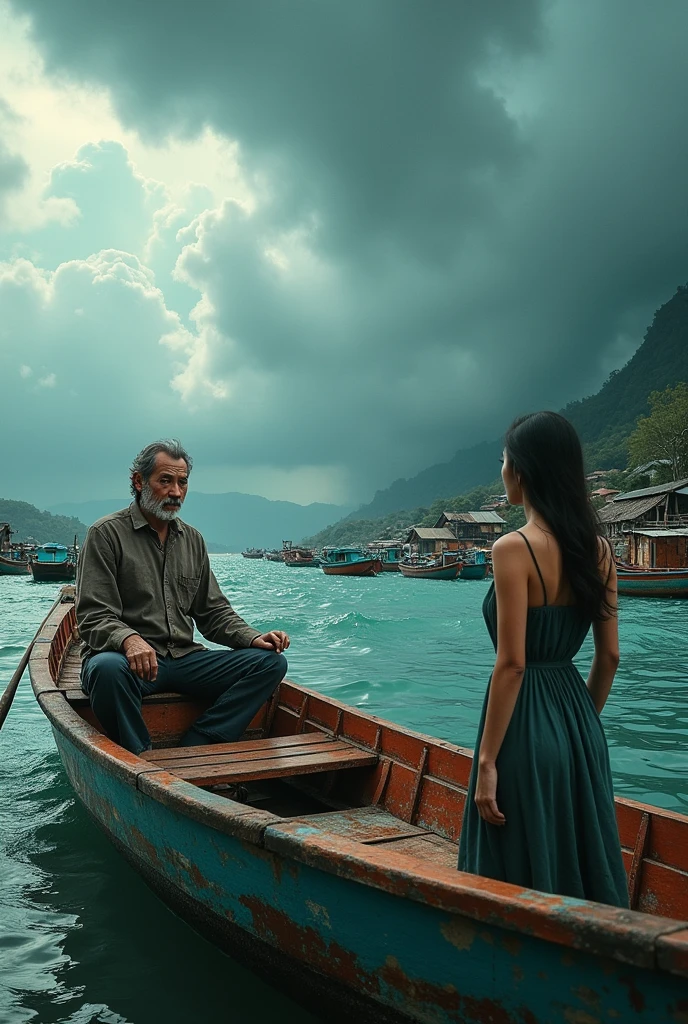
(187, 587)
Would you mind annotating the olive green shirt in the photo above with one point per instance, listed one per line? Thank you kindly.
(129, 583)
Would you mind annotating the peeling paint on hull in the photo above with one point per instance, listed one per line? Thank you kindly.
(352, 951)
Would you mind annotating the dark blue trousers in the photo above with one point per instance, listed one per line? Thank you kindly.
(237, 682)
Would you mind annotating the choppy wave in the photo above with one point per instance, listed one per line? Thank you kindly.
(76, 919)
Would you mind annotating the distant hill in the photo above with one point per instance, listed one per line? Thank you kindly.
(604, 420)
(232, 521)
(29, 522)
(467, 469)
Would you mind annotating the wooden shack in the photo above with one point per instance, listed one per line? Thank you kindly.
(649, 527)
(431, 541)
(473, 529)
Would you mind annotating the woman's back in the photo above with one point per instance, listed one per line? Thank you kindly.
(555, 630)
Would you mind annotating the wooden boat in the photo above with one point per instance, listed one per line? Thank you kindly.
(349, 562)
(53, 563)
(274, 556)
(253, 553)
(14, 558)
(474, 571)
(447, 567)
(474, 566)
(338, 879)
(13, 566)
(635, 581)
(390, 556)
(301, 558)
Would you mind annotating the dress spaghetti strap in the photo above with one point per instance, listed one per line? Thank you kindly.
(532, 555)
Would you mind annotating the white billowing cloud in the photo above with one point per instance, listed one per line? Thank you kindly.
(103, 378)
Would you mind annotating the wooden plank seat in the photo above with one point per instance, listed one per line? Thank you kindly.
(250, 760)
(77, 698)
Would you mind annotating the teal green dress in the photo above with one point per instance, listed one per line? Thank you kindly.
(554, 780)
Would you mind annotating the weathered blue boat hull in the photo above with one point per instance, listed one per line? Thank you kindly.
(473, 572)
(264, 893)
(653, 584)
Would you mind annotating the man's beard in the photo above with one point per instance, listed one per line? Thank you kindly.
(150, 504)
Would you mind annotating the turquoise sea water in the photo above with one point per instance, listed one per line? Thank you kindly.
(81, 937)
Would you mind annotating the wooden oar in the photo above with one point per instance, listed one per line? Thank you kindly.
(11, 689)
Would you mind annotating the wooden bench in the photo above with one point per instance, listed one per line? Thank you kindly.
(250, 760)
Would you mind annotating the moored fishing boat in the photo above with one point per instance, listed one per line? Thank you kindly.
(300, 558)
(446, 567)
(13, 566)
(349, 562)
(53, 563)
(337, 879)
(390, 554)
(14, 558)
(635, 581)
(474, 566)
(253, 553)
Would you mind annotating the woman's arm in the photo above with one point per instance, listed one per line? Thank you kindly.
(511, 590)
(606, 635)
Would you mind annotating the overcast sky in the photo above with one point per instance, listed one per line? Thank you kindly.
(324, 242)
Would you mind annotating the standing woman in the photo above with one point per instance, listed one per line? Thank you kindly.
(540, 806)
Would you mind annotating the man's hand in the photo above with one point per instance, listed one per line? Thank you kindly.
(276, 640)
(143, 661)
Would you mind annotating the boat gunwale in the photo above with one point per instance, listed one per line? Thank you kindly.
(629, 936)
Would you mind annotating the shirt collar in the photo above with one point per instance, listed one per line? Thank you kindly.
(138, 519)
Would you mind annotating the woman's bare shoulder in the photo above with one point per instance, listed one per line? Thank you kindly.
(508, 544)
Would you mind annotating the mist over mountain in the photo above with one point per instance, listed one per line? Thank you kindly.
(231, 521)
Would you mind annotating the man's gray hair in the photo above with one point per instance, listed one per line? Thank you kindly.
(144, 463)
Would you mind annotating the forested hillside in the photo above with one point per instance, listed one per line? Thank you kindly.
(28, 522)
(604, 420)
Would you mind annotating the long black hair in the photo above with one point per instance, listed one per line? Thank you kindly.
(545, 452)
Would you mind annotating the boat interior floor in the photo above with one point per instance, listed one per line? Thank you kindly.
(312, 777)
(276, 774)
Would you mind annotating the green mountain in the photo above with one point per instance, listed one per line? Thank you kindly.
(28, 522)
(604, 420)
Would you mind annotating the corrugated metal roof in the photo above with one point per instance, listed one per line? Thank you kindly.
(474, 517)
(432, 533)
(617, 511)
(662, 533)
(661, 489)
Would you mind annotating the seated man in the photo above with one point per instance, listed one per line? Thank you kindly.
(144, 579)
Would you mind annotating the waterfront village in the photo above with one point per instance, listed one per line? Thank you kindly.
(648, 528)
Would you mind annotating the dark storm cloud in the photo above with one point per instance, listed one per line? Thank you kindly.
(492, 196)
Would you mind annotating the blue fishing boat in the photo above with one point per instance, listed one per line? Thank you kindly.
(337, 879)
(390, 554)
(473, 566)
(52, 563)
(349, 562)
